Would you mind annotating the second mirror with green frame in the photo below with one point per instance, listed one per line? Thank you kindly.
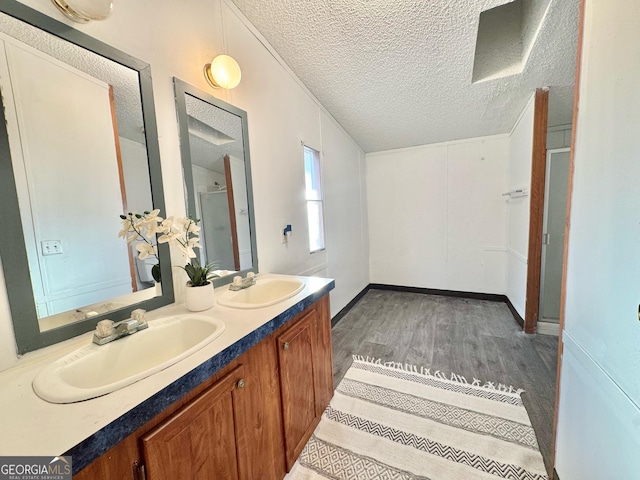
(214, 145)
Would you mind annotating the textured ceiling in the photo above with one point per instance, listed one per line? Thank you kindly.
(397, 73)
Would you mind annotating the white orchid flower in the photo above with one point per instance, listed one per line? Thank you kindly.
(188, 225)
(123, 232)
(167, 224)
(151, 228)
(179, 232)
(171, 231)
(153, 214)
(194, 242)
(169, 237)
(145, 250)
(128, 231)
(126, 228)
(189, 246)
(152, 218)
(135, 223)
(193, 228)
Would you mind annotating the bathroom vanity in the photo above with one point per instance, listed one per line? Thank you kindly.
(242, 407)
(245, 420)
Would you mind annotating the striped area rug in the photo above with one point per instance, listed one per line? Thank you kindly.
(391, 421)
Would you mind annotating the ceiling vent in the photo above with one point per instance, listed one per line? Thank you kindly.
(506, 35)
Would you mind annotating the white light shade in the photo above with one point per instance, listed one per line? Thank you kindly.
(223, 72)
(83, 11)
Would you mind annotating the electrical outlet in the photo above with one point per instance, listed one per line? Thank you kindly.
(51, 247)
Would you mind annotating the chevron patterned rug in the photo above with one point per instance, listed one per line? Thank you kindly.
(393, 421)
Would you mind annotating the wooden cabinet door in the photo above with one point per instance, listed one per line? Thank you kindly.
(296, 354)
(261, 417)
(323, 361)
(201, 441)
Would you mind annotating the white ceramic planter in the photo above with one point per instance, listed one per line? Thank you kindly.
(199, 298)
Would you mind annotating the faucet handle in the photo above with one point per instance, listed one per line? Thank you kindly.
(251, 275)
(237, 281)
(139, 315)
(104, 328)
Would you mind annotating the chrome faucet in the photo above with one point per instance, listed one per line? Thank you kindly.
(240, 283)
(107, 331)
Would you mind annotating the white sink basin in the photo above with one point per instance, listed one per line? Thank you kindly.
(95, 370)
(265, 292)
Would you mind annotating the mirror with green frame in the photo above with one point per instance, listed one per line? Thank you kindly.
(78, 148)
(216, 166)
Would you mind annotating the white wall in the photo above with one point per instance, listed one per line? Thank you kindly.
(278, 169)
(520, 158)
(281, 112)
(345, 213)
(436, 215)
(599, 420)
(276, 153)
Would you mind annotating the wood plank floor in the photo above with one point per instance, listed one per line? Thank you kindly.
(473, 338)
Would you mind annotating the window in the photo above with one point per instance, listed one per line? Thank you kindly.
(313, 195)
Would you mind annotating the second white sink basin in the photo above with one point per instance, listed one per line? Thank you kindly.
(95, 370)
(266, 292)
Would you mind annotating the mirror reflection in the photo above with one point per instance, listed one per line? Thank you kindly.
(73, 165)
(76, 137)
(217, 176)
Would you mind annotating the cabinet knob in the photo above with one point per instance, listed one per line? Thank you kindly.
(240, 383)
(285, 346)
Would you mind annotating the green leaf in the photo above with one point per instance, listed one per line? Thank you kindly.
(155, 272)
(199, 275)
